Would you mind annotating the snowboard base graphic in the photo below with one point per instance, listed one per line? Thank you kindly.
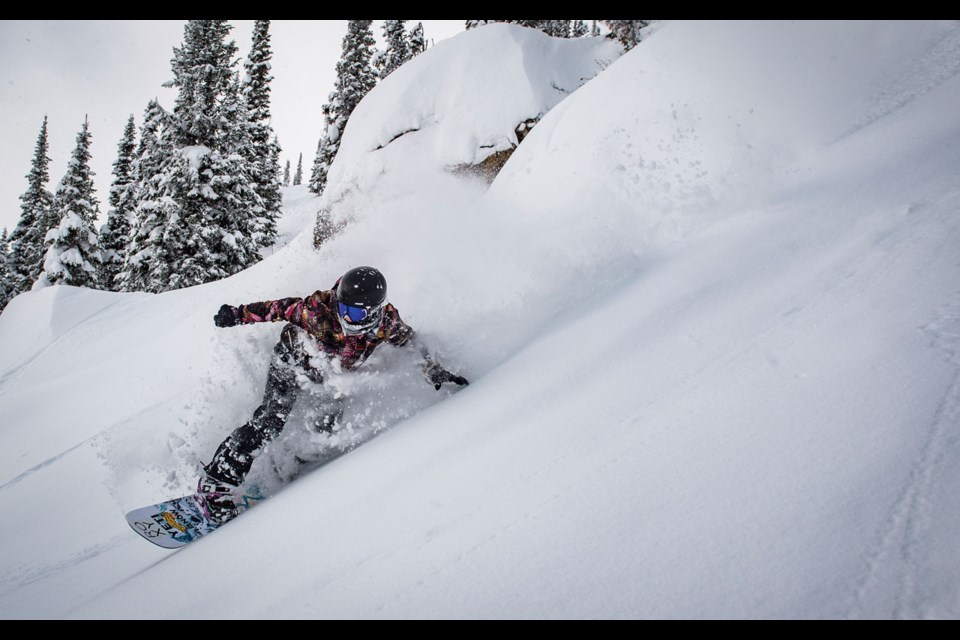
(178, 522)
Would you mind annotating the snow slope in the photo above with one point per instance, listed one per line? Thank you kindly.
(710, 314)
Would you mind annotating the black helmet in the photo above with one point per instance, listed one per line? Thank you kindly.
(361, 294)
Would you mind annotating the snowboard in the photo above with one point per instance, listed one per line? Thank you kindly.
(177, 522)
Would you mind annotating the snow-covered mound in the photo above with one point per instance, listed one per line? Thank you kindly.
(710, 314)
(456, 104)
(703, 121)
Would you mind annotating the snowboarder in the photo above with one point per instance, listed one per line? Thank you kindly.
(347, 323)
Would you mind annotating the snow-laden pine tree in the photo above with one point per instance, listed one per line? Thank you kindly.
(273, 168)
(203, 71)
(579, 29)
(178, 251)
(263, 151)
(398, 48)
(236, 221)
(208, 198)
(147, 250)
(6, 282)
(115, 232)
(286, 174)
(401, 46)
(36, 218)
(319, 169)
(626, 31)
(73, 254)
(555, 28)
(355, 77)
(418, 43)
(298, 176)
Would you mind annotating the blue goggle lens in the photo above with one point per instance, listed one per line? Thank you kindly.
(353, 314)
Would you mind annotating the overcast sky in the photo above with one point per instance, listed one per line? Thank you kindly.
(110, 69)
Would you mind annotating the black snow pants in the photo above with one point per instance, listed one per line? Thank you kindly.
(234, 457)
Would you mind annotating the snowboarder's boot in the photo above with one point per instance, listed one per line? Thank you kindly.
(330, 421)
(219, 498)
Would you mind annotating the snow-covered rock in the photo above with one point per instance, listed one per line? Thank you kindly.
(463, 100)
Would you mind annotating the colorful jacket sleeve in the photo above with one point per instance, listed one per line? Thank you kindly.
(292, 310)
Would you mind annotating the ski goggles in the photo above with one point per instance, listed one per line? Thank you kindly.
(353, 314)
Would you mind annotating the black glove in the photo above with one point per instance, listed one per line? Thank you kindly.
(226, 317)
(438, 375)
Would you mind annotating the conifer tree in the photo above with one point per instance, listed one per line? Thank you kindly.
(555, 28)
(398, 48)
(418, 43)
(115, 233)
(355, 77)
(36, 218)
(263, 152)
(73, 254)
(626, 31)
(6, 282)
(401, 46)
(246, 207)
(578, 29)
(203, 72)
(207, 212)
(213, 231)
(151, 212)
(318, 172)
(203, 75)
(273, 200)
(286, 174)
(298, 176)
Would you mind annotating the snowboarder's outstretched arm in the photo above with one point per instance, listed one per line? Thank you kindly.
(437, 375)
(433, 371)
(400, 334)
(282, 310)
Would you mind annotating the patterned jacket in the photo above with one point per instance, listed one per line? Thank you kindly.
(316, 314)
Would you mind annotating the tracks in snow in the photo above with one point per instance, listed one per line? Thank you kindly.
(892, 575)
